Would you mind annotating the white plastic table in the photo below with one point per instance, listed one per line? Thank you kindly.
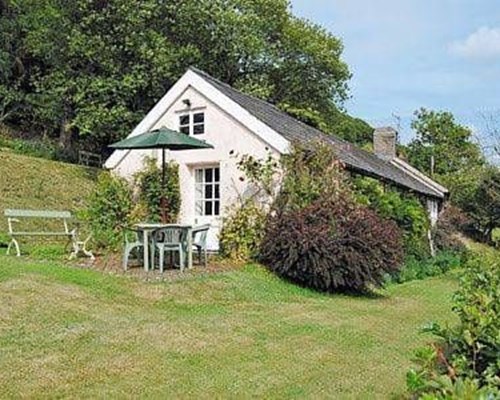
(147, 228)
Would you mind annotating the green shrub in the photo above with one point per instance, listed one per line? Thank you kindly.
(150, 192)
(242, 231)
(41, 148)
(415, 268)
(310, 173)
(496, 237)
(467, 355)
(405, 210)
(109, 207)
(243, 227)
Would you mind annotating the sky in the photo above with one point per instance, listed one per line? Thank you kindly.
(407, 54)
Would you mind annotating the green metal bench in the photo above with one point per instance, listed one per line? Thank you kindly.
(15, 216)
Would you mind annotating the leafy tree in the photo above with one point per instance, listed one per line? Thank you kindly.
(484, 207)
(95, 67)
(442, 146)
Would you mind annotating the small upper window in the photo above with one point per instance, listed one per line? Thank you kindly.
(192, 124)
(184, 123)
(198, 124)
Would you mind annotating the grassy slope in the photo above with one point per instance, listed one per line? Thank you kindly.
(68, 332)
(36, 183)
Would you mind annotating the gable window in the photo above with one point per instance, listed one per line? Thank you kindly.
(198, 123)
(207, 191)
(192, 123)
(184, 123)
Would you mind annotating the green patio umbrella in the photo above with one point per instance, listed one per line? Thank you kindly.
(164, 139)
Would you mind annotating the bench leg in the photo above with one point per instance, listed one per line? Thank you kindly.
(16, 245)
(76, 249)
(79, 246)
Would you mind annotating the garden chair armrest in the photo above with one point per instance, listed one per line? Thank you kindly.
(127, 231)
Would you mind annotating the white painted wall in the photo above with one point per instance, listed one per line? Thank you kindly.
(226, 135)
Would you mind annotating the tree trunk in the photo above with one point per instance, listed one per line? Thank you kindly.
(66, 134)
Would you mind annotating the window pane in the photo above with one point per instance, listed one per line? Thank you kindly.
(208, 191)
(208, 208)
(209, 175)
(184, 120)
(198, 117)
(217, 193)
(198, 192)
(199, 129)
(198, 207)
(199, 176)
(216, 207)
(217, 174)
(184, 129)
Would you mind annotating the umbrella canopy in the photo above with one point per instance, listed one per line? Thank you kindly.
(162, 138)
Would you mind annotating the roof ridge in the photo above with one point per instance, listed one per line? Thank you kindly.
(267, 103)
(293, 129)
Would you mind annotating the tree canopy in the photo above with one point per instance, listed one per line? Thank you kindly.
(442, 146)
(445, 150)
(91, 69)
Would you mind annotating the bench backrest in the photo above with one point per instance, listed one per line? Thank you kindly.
(10, 213)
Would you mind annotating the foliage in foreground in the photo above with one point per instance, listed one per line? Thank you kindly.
(465, 362)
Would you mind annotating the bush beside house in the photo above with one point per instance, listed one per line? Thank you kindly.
(315, 234)
(114, 203)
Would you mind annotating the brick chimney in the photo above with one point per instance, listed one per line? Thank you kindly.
(384, 143)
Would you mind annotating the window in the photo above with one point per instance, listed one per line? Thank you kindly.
(207, 191)
(198, 124)
(192, 124)
(184, 123)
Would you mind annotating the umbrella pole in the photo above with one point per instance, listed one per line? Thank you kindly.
(163, 200)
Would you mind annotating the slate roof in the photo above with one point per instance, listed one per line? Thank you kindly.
(354, 158)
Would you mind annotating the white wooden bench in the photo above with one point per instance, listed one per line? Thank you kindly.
(15, 216)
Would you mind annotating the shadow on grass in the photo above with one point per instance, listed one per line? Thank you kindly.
(369, 293)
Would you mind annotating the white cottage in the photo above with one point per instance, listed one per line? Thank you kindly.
(235, 123)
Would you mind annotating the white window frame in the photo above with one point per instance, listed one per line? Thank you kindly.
(200, 203)
(188, 125)
(191, 124)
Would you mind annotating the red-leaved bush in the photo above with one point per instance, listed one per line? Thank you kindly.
(332, 245)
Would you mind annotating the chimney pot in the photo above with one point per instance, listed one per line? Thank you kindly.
(384, 143)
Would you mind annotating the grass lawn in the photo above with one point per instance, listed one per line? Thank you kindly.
(68, 332)
(36, 183)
